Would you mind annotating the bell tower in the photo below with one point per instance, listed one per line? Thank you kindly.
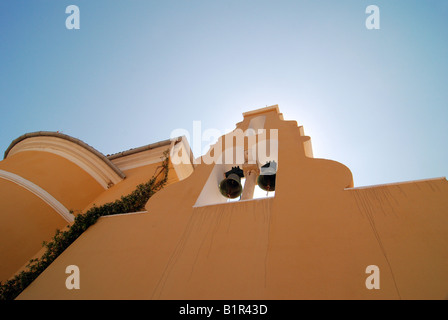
(244, 161)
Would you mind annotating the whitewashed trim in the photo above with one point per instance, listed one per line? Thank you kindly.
(139, 159)
(395, 183)
(38, 191)
(73, 152)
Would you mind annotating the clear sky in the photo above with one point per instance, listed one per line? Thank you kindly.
(374, 100)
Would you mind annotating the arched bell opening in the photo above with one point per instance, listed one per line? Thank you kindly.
(250, 177)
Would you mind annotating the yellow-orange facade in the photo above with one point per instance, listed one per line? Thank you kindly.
(47, 178)
(313, 240)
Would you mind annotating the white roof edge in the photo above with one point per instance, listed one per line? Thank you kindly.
(395, 183)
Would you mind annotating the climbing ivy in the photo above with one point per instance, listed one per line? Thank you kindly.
(133, 202)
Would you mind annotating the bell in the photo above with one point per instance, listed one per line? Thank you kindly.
(231, 186)
(266, 179)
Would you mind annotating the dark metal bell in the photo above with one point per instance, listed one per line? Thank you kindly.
(266, 179)
(231, 186)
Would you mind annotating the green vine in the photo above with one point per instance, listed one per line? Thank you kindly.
(133, 202)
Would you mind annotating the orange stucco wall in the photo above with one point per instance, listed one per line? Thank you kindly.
(63, 179)
(313, 240)
(134, 177)
(25, 222)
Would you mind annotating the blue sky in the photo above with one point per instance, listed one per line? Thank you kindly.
(374, 100)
